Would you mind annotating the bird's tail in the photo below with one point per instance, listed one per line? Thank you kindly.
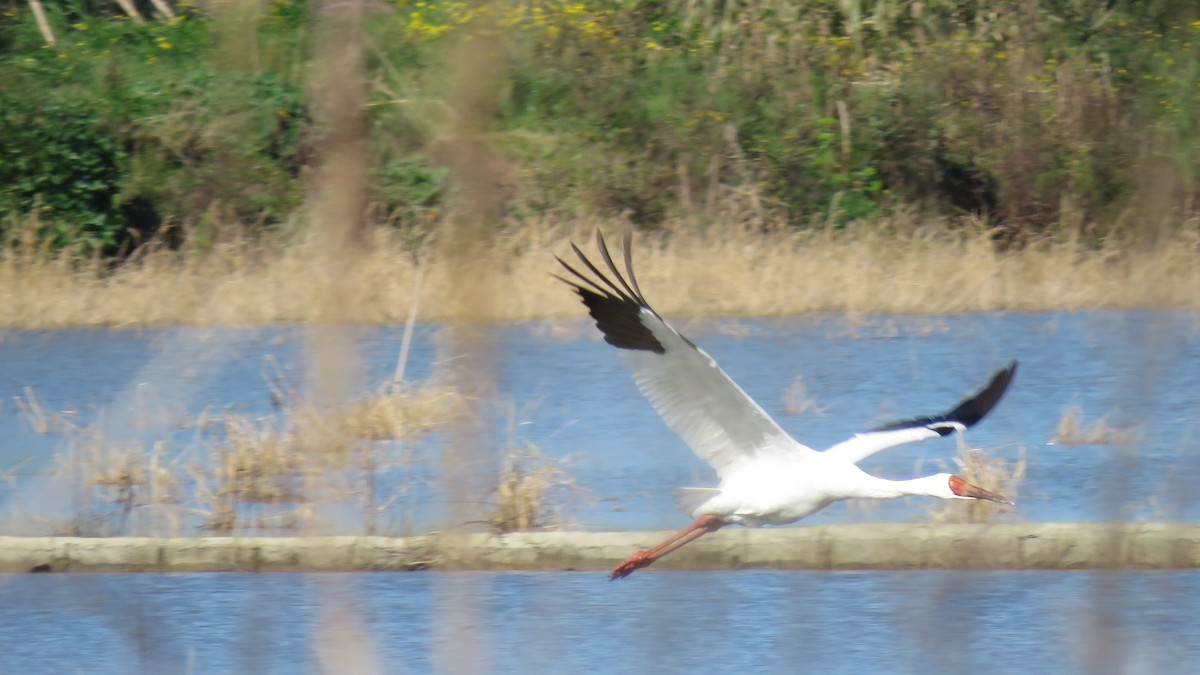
(690, 499)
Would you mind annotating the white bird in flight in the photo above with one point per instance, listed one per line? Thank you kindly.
(766, 477)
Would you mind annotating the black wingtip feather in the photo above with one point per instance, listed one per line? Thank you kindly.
(600, 275)
(618, 312)
(574, 284)
(973, 409)
(600, 244)
(967, 413)
(629, 266)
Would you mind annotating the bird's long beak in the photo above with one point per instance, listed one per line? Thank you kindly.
(962, 488)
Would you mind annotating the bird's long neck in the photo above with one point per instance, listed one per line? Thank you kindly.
(882, 488)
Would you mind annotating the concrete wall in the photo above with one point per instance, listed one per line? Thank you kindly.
(845, 547)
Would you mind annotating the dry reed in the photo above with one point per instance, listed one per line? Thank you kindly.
(895, 267)
(1071, 430)
(43, 423)
(797, 400)
(273, 474)
(534, 492)
(119, 488)
(244, 474)
(988, 472)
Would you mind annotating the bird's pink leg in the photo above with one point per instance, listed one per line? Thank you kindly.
(702, 526)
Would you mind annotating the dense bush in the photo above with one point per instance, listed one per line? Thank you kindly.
(127, 128)
(1047, 116)
(58, 161)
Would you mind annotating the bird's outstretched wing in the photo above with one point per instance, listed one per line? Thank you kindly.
(967, 413)
(721, 424)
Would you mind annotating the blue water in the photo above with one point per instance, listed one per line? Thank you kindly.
(572, 399)
(670, 622)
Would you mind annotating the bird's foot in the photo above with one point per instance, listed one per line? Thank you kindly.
(634, 562)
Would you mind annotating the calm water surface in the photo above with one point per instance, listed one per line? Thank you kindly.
(681, 622)
(565, 392)
(572, 399)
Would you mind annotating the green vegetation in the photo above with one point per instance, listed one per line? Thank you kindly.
(1063, 118)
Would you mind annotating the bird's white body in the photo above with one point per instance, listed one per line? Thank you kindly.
(766, 476)
(782, 491)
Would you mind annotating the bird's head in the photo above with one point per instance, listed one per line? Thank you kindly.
(961, 489)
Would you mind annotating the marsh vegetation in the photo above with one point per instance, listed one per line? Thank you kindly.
(910, 269)
(898, 157)
(777, 160)
(286, 162)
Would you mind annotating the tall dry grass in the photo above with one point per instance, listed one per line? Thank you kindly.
(897, 267)
(534, 492)
(1072, 430)
(987, 471)
(243, 474)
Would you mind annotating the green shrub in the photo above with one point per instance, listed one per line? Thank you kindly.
(408, 191)
(129, 126)
(1044, 116)
(59, 161)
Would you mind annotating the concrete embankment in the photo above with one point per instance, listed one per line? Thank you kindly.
(834, 547)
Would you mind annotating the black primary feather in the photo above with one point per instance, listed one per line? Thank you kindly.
(618, 312)
(968, 412)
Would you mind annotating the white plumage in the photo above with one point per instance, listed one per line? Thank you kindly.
(766, 477)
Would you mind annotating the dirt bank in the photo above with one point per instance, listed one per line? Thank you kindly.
(842, 547)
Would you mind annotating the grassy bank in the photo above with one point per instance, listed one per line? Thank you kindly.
(775, 158)
(895, 267)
